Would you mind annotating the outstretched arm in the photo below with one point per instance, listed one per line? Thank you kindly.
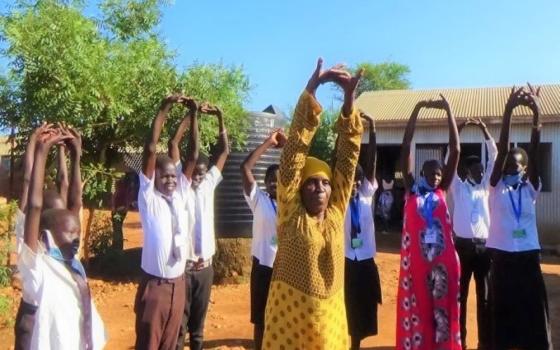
(276, 140)
(193, 146)
(350, 130)
(175, 142)
(62, 181)
(407, 165)
(28, 159)
(371, 154)
(75, 195)
(533, 166)
(150, 148)
(35, 201)
(222, 151)
(503, 145)
(450, 167)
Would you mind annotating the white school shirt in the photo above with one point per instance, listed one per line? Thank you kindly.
(263, 244)
(158, 258)
(471, 213)
(503, 221)
(201, 203)
(58, 321)
(19, 229)
(367, 226)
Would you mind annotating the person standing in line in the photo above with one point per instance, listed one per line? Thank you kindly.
(362, 286)
(265, 242)
(160, 299)
(428, 291)
(519, 317)
(471, 224)
(53, 278)
(305, 307)
(385, 203)
(200, 201)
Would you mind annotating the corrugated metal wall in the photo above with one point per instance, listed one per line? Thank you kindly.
(233, 216)
(548, 204)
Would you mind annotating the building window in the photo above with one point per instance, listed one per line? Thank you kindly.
(544, 163)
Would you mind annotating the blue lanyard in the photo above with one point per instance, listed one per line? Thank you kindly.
(516, 211)
(273, 205)
(428, 208)
(355, 216)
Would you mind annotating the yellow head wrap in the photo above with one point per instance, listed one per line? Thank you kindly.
(315, 167)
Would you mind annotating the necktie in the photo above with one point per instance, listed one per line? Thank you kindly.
(198, 225)
(175, 251)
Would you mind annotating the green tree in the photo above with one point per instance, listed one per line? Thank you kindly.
(383, 76)
(376, 76)
(104, 75)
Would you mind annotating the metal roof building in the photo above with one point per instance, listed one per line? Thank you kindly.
(392, 109)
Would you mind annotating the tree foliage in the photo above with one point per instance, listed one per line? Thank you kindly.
(106, 76)
(376, 76)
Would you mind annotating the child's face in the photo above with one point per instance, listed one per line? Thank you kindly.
(198, 175)
(66, 235)
(271, 183)
(433, 173)
(166, 179)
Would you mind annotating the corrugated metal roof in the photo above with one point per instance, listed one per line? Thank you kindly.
(486, 103)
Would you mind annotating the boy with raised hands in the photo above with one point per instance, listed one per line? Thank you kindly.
(200, 201)
(53, 278)
(160, 298)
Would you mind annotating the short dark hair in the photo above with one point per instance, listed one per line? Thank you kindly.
(524, 155)
(471, 160)
(202, 159)
(162, 161)
(50, 218)
(433, 162)
(270, 171)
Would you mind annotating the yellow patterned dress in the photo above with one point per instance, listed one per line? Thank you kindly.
(305, 308)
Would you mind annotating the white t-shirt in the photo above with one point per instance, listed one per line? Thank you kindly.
(471, 214)
(264, 244)
(159, 258)
(201, 203)
(367, 226)
(504, 228)
(58, 320)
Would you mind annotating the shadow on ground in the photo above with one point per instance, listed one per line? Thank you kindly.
(245, 343)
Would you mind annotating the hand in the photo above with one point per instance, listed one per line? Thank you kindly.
(334, 74)
(520, 97)
(41, 130)
(277, 138)
(171, 99)
(190, 103)
(75, 143)
(478, 122)
(207, 108)
(438, 104)
(367, 117)
(534, 101)
(55, 136)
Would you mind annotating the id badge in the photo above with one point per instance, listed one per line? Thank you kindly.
(357, 243)
(274, 240)
(519, 233)
(430, 237)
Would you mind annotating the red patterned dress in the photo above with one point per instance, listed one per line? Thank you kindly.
(428, 296)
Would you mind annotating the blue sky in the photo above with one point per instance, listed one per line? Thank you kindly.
(445, 43)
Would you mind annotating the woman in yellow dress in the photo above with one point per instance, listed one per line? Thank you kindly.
(305, 308)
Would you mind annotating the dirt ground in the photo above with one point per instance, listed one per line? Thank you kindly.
(227, 323)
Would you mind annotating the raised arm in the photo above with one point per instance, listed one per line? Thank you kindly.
(35, 200)
(174, 143)
(193, 146)
(503, 145)
(74, 145)
(350, 130)
(406, 160)
(277, 139)
(450, 167)
(371, 153)
(222, 149)
(150, 148)
(28, 159)
(62, 181)
(533, 102)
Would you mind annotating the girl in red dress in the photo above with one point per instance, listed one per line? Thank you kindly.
(428, 295)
